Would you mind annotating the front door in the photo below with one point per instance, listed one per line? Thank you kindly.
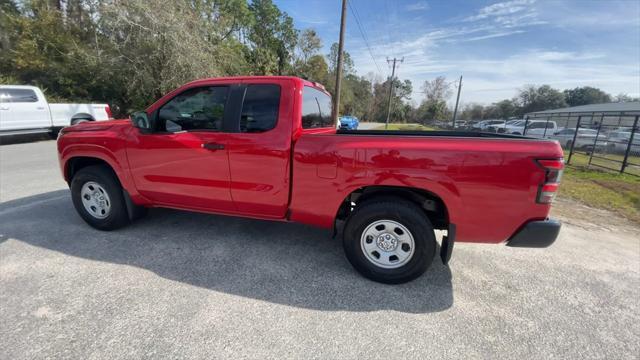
(184, 162)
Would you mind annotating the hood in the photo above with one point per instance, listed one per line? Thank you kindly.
(96, 125)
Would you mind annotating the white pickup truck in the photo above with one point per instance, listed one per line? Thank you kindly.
(25, 110)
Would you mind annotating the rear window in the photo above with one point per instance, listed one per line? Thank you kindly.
(260, 108)
(316, 109)
(18, 96)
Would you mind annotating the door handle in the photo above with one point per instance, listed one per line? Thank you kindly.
(213, 146)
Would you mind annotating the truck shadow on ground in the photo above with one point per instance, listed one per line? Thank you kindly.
(284, 263)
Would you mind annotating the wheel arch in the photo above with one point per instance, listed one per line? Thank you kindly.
(81, 116)
(77, 163)
(433, 206)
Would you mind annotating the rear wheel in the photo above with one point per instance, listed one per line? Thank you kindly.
(389, 241)
(97, 197)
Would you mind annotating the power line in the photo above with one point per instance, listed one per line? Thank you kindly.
(364, 37)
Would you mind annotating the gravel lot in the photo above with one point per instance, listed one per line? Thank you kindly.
(185, 285)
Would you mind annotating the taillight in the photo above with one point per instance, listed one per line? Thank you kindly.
(553, 173)
(108, 110)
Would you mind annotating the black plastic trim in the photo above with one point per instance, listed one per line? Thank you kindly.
(435, 133)
(536, 234)
(446, 249)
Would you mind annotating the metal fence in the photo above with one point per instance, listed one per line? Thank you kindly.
(609, 141)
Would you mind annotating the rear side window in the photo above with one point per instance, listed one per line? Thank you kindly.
(260, 108)
(18, 96)
(316, 109)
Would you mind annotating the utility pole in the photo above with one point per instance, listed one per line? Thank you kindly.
(336, 101)
(455, 110)
(393, 74)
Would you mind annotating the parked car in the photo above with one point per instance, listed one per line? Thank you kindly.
(266, 148)
(500, 128)
(534, 128)
(485, 124)
(459, 124)
(618, 142)
(349, 122)
(25, 110)
(584, 140)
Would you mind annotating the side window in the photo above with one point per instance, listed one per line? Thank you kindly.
(316, 109)
(194, 109)
(19, 96)
(260, 108)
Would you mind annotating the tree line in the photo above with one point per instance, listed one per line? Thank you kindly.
(130, 52)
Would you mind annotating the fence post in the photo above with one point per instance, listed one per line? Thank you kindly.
(526, 123)
(546, 126)
(595, 142)
(573, 142)
(630, 145)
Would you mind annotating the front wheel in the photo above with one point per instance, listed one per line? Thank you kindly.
(97, 197)
(389, 241)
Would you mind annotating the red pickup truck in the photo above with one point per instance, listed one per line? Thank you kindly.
(267, 148)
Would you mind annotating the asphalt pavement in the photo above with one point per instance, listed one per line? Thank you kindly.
(184, 285)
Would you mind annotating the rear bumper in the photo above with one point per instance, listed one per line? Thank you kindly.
(536, 234)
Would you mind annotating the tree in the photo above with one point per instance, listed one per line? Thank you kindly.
(434, 105)
(401, 93)
(347, 62)
(622, 97)
(472, 112)
(309, 64)
(309, 44)
(273, 38)
(532, 98)
(437, 90)
(586, 95)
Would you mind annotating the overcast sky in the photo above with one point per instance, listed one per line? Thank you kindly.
(497, 46)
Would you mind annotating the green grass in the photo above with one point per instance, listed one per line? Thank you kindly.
(406, 127)
(611, 161)
(606, 190)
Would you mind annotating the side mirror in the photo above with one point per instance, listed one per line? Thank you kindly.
(140, 119)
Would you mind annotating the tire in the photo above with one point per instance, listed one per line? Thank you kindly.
(394, 214)
(100, 184)
(78, 121)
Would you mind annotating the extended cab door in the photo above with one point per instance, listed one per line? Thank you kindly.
(260, 147)
(22, 108)
(184, 162)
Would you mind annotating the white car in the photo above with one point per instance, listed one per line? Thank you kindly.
(584, 140)
(535, 128)
(25, 110)
(485, 124)
(619, 142)
(501, 128)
